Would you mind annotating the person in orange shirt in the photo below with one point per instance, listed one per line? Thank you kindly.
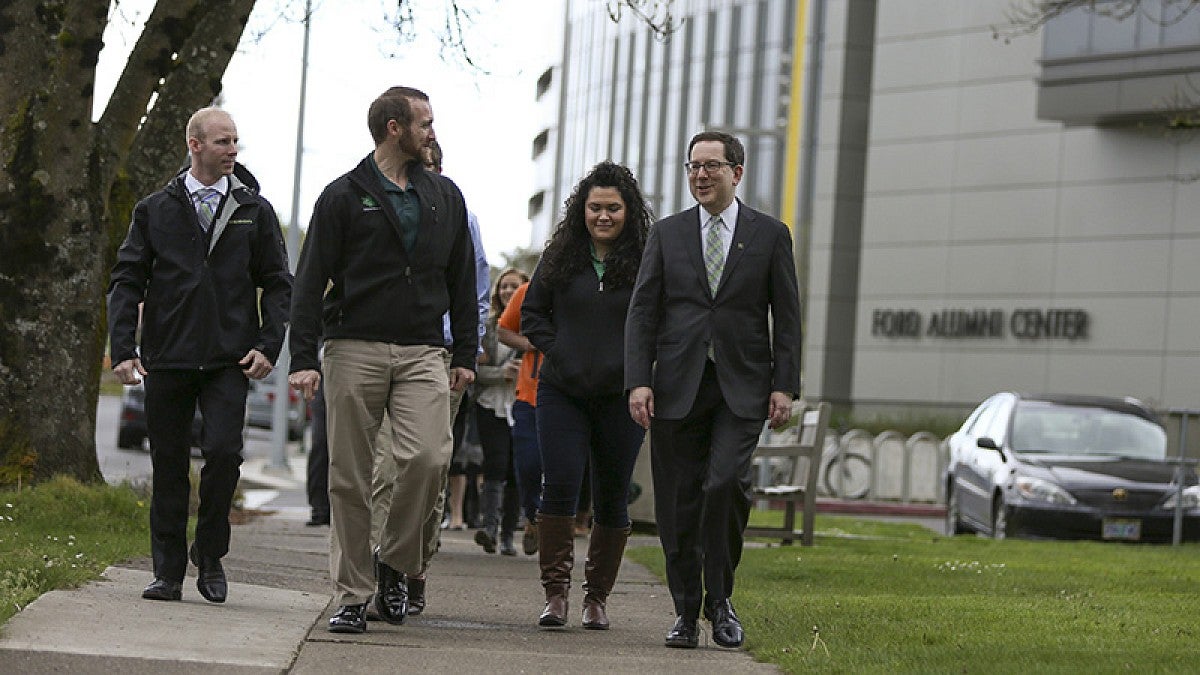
(527, 458)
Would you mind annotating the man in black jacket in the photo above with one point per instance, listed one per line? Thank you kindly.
(197, 253)
(387, 254)
(717, 309)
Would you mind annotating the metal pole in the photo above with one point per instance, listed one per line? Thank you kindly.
(808, 161)
(279, 416)
(1177, 532)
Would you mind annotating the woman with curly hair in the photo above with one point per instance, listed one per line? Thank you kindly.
(574, 313)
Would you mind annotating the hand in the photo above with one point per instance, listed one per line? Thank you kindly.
(255, 365)
(128, 371)
(781, 409)
(460, 378)
(512, 369)
(641, 405)
(305, 382)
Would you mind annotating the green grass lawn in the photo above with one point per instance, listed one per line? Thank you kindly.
(61, 534)
(892, 597)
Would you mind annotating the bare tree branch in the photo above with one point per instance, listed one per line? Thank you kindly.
(193, 82)
(153, 57)
(1027, 17)
(656, 14)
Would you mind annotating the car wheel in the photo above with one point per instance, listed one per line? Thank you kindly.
(999, 518)
(953, 522)
(129, 439)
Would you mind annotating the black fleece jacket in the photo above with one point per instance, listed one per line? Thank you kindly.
(581, 331)
(202, 307)
(356, 280)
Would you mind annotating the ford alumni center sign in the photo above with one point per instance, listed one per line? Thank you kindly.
(1023, 324)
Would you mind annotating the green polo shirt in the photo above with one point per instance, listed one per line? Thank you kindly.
(405, 203)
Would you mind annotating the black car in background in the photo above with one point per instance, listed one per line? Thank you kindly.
(1067, 467)
(131, 429)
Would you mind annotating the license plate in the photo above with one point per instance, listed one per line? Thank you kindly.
(1122, 528)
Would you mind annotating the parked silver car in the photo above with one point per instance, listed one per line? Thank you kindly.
(260, 407)
(1067, 467)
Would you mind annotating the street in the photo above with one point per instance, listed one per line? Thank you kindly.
(117, 464)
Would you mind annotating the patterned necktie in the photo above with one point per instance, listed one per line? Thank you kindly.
(714, 253)
(206, 202)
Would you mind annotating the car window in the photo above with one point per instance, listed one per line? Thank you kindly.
(996, 427)
(969, 424)
(979, 419)
(1043, 427)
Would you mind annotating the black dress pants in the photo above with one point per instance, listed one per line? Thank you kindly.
(317, 478)
(171, 399)
(702, 472)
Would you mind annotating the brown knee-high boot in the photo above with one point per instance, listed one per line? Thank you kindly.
(605, 550)
(556, 555)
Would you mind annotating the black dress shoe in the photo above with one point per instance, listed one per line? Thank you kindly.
(349, 619)
(726, 628)
(416, 596)
(210, 580)
(391, 594)
(161, 589)
(684, 634)
(317, 519)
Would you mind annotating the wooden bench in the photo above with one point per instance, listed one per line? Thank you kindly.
(801, 445)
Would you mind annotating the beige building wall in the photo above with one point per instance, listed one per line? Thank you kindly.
(969, 202)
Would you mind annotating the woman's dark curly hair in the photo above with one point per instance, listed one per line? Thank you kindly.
(567, 253)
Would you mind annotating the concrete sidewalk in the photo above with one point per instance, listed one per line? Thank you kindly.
(481, 618)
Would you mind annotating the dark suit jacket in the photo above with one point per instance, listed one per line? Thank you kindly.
(673, 316)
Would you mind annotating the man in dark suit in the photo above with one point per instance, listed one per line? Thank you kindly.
(712, 348)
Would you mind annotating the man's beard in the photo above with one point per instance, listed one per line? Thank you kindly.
(407, 146)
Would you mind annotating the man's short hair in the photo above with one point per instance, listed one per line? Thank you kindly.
(392, 104)
(197, 123)
(734, 152)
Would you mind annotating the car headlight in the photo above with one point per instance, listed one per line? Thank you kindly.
(1040, 490)
(1191, 498)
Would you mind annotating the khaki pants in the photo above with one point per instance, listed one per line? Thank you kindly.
(364, 380)
(384, 482)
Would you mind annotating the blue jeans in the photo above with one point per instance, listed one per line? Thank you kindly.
(574, 432)
(527, 459)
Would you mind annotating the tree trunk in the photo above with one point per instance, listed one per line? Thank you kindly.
(58, 172)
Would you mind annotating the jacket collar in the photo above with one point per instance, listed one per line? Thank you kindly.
(365, 177)
(743, 233)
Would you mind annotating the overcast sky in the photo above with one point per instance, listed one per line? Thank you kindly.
(484, 122)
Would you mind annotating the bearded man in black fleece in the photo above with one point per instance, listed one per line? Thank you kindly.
(574, 313)
(388, 252)
(197, 254)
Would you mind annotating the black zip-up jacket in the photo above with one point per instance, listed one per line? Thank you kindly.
(356, 280)
(580, 330)
(200, 291)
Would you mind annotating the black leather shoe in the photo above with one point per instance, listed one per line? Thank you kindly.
(726, 628)
(317, 519)
(391, 594)
(211, 578)
(349, 619)
(416, 596)
(684, 634)
(161, 589)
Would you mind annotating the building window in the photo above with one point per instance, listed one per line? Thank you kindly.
(1097, 69)
(543, 83)
(540, 142)
(536, 203)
